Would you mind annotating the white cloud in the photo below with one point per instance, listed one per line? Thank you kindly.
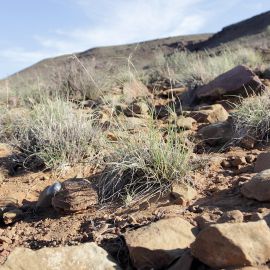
(124, 21)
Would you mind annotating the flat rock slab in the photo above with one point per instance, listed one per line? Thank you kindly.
(233, 245)
(157, 245)
(83, 257)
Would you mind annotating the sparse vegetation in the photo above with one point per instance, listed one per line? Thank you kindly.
(191, 69)
(252, 117)
(144, 164)
(54, 132)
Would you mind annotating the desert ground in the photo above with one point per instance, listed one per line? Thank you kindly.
(158, 161)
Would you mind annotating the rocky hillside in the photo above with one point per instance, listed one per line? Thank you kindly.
(102, 61)
(167, 177)
(145, 196)
(250, 31)
(98, 60)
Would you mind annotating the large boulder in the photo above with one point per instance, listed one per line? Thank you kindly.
(258, 187)
(85, 256)
(159, 244)
(217, 134)
(238, 81)
(233, 245)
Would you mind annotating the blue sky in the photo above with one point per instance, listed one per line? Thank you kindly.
(32, 30)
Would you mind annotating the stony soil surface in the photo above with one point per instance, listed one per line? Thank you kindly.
(218, 192)
(161, 233)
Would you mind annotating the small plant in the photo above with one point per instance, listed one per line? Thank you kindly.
(252, 117)
(55, 133)
(143, 165)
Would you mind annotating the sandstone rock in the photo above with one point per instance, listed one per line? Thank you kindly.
(238, 81)
(85, 256)
(258, 187)
(183, 191)
(185, 123)
(159, 244)
(217, 134)
(12, 216)
(204, 221)
(234, 216)
(261, 267)
(209, 114)
(75, 195)
(263, 162)
(233, 245)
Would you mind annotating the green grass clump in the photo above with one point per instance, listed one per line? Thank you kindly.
(55, 133)
(252, 117)
(143, 165)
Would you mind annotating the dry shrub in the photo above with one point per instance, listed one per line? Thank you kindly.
(143, 165)
(252, 117)
(54, 132)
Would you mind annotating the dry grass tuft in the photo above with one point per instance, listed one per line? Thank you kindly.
(54, 132)
(143, 165)
(252, 117)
